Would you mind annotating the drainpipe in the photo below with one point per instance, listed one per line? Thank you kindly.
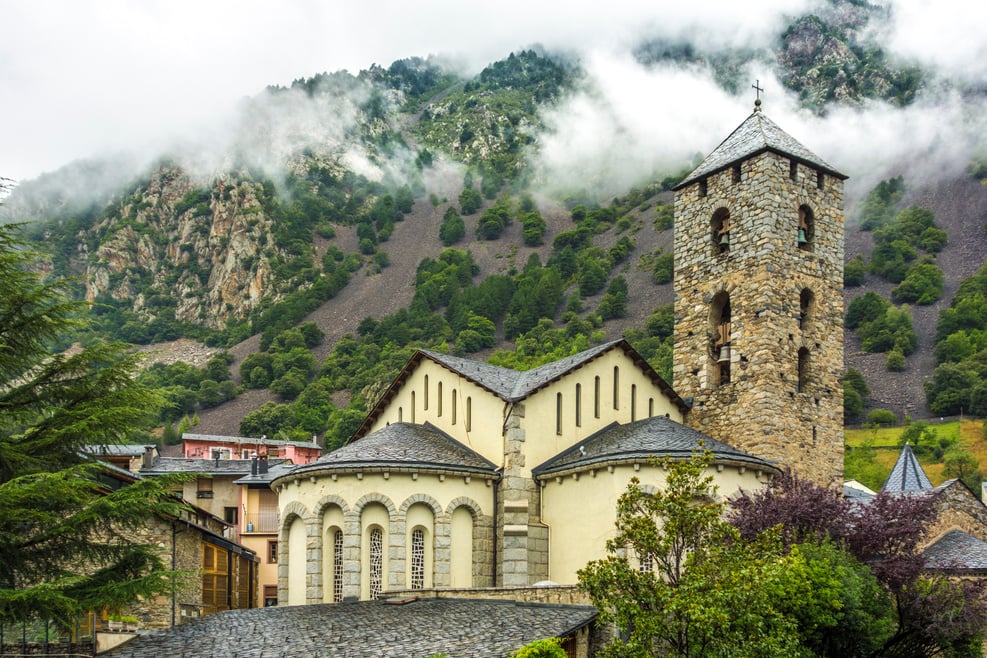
(496, 525)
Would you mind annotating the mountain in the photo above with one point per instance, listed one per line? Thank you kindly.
(352, 218)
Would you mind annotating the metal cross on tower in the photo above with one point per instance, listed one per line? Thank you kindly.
(758, 88)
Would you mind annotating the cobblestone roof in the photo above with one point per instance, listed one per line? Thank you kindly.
(369, 629)
(217, 438)
(756, 134)
(403, 445)
(907, 475)
(957, 550)
(657, 436)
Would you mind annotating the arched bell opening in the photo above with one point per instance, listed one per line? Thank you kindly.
(806, 228)
(720, 231)
(720, 348)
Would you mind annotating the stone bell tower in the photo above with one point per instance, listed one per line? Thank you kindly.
(759, 299)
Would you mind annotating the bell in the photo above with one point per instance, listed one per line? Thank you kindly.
(725, 240)
(802, 238)
(724, 354)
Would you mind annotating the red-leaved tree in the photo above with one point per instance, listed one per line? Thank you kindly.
(934, 615)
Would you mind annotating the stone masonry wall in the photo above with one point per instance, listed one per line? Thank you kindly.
(763, 409)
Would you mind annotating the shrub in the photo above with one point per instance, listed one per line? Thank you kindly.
(855, 272)
(895, 361)
(884, 417)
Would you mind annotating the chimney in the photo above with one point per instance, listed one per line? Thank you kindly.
(148, 460)
(253, 466)
(262, 464)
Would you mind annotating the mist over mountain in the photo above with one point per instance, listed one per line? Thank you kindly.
(331, 201)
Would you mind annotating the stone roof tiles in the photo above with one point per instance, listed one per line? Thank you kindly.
(263, 441)
(756, 134)
(652, 437)
(117, 449)
(210, 466)
(403, 445)
(956, 550)
(455, 627)
(907, 475)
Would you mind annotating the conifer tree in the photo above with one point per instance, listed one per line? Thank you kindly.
(64, 533)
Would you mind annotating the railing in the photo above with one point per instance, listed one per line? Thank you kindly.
(263, 521)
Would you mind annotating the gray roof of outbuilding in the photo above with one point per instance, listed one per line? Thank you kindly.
(652, 437)
(755, 135)
(403, 445)
(957, 550)
(210, 466)
(117, 449)
(454, 627)
(907, 475)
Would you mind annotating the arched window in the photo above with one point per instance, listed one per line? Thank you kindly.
(596, 397)
(438, 402)
(616, 387)
(418, 558)
(558, 413)
(376, 562)
(337, 565)
(579, 405)
(806, 308)
(425, 394)
(469, 413)
(803, 366)
(651, 407)
(806, 228)
(453, 406)
(400, 414)
(720, 231)
(633, 402)
(720, 349)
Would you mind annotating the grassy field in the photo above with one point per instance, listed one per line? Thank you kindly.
(885, 439)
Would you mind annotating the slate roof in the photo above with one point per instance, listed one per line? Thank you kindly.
(454, 627)
(209, 466)
(263, 441)
(956, 550)
(117, 449)
(652, 437)
(907, 475)
(514, 385)
(403, 446)
(755, 135)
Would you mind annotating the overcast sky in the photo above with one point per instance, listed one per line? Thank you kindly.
(81, 78)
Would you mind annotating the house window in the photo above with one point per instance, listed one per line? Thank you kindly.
(633, 402)
(231, 515)
(417, 558)
(720, 231)
(469, 413)
(793, 170)
(735, 176)
(400, 414)
(453, 406)
(412, 406)
(272, 551)
(425, 392)
(579, 405)
(221, 453)
(596, 397)
(647, 564)
(651, 407)
(439, 401)
(820, 180)
(203, 488)
(703, 188)
(337, 566)
(376, 562)
(270, 596)
(616, 387)
(558, 413)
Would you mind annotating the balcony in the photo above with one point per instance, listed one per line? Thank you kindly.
(264, 521)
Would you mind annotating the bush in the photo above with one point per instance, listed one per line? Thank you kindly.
(895, 361)
(664, 269)
(884, 417)
(855, 272)
(453, 227)
(923, 284)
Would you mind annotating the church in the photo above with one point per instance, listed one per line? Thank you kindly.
(466, 475)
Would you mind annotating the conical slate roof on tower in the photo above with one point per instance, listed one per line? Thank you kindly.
(756, 135)
(907, 475)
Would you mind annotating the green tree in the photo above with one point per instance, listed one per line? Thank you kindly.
(453, 227)
(548, 648)
(64, 537)
(678, 580)
(961, 464)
